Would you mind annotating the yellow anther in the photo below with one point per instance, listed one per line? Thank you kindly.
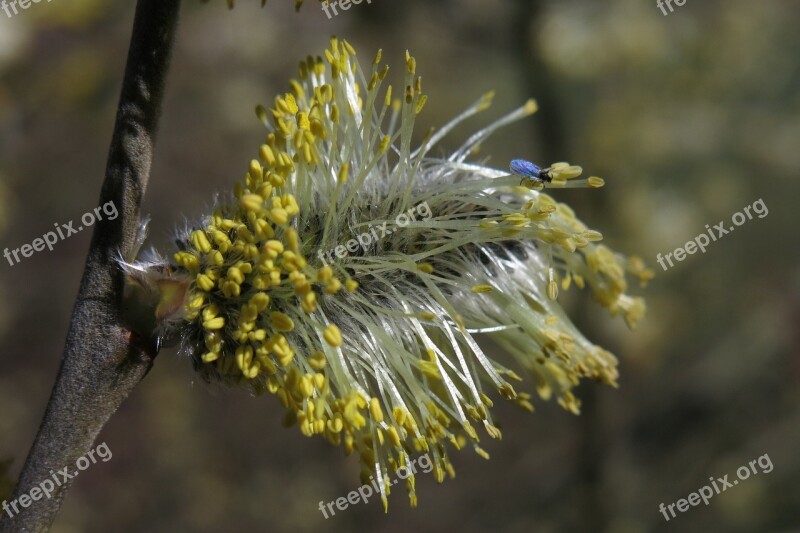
(292, 240)
(231, 289)
(333, 336)
(513, 375)
(375, 410)
(335, 425)
(493, 432)
(258, 335)
(215, 258)
(320, 382)
(473, 413)
(281, 322)
(420, 104)
(255, 173)
(317, 360)
(196, 302)
(595, 182)
(361, 401)
(307, 387)
(567, 173)
(480, 451)
(552, 289)
(309, 302)
(222, 240)
(214, 323)
(592, 235)
(302, 120)
(429, 369)
(343, 173)
(187, 260)
(333, 286)
(251, 202)
(324, 93)
(260, 300)
(267, 155)
(236, 275)
(400, 415)
(525, 404)
(387, 100)
(325, 274)
(200, 241)
(486, 101)
(394, 437)
(516, 219)
(486, 400)
(507, 391)
(481, 288)
(278, 215)
(244, 356)
(210, 312)
(204, 282)
(384, 145)
(261, 113)
(275, 179)
(273, 249)
(411, 63)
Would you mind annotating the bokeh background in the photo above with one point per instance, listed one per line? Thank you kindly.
(689, 117)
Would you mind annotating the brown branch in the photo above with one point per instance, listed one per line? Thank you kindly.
(103, 360)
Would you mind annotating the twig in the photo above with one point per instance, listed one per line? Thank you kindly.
(103, 360)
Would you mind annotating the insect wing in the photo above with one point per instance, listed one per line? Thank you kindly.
(522, 167)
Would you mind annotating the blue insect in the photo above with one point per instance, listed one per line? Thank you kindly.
(523, 167)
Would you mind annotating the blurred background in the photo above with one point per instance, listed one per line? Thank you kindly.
(689, 117)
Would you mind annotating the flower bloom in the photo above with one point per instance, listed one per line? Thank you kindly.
(378, 351)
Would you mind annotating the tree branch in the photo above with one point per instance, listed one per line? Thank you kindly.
(103, 360)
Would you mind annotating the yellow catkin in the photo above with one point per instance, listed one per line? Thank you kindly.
(260, 305)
